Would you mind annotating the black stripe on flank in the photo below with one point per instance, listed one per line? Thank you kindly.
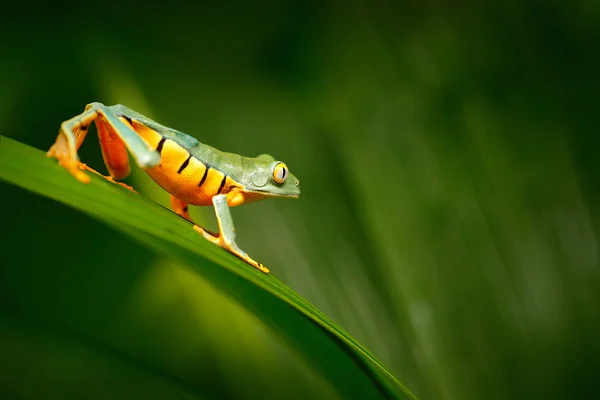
(128, 119)
(204, 176)
(222, 184)
(161, 144)
(184, 165)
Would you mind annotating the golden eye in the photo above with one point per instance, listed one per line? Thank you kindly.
(280, 173)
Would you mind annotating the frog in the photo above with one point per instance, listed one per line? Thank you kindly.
(193, 173)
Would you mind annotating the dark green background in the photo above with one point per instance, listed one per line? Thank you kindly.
(449, 217)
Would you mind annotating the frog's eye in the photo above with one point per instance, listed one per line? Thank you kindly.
(280, 172)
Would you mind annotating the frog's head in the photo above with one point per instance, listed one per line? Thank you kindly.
(273, 178)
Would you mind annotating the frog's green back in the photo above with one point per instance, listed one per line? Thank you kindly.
(253, 173)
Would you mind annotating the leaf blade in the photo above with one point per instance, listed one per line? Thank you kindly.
(353, 370)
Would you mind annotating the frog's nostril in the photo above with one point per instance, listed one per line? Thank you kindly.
(297, 183)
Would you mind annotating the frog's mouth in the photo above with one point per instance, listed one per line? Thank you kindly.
(273, 194)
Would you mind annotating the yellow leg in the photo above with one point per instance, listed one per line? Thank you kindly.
(226, 236)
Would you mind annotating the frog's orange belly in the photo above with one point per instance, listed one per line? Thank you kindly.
(186, 188)
(186, 177)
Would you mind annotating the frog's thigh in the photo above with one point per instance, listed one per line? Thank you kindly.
(113, 149)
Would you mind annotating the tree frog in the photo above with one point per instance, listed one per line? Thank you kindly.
(193, 173)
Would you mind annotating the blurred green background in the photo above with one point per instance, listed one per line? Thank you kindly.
(449, 217)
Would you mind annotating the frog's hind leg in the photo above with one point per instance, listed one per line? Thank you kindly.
(226, 236)
(70, 137)
(116, 137)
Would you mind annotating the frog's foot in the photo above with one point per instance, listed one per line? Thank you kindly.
(64, 151)
(226, 237)
(85, 167)
(231, 247)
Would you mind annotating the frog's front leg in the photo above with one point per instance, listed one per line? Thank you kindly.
(226, 236)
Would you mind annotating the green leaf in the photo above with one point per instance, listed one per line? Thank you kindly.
(334, 354)
(64, 363)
